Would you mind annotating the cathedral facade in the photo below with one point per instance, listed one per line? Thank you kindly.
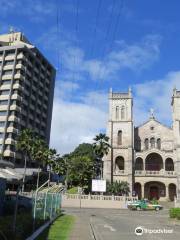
(146, 156)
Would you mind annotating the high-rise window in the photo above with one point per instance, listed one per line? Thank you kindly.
(152, 142)
(159, 143)
(3, 113)
(2, 124)
(117, 112)
(4, 92)
(122, 112)
(3, 102)
(119, 138)
(146, 144)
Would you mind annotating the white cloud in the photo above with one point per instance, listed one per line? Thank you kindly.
(135, 57)
(36, 11)
(76, 122)
(155, 94)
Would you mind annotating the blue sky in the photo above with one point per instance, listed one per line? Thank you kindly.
(97, 45)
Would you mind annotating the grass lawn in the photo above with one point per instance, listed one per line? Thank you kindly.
(59, 230)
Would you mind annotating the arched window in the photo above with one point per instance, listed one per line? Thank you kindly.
(169, 165)
(119, 162)
(122, 112)
(139, 164)
(117, 112)
(119, 138)
(158, 143)
(146, 144)
(138, 145)
(152, 142)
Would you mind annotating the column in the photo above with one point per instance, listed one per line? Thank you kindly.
(167, 192)
(142, 190)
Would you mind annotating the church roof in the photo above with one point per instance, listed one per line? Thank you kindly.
(153, 119)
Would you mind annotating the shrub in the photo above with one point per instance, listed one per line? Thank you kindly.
(174, 213)
(73, 190)
(178, 215)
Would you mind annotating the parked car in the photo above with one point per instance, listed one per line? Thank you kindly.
(24, 203)
(144, 205)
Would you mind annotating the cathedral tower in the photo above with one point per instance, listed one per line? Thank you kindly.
(176, 132)
(118, 163)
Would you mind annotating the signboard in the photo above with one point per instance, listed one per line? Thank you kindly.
(98, 185)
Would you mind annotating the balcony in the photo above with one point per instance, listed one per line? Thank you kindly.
(14, 107)
(4, 97)
(161, 173)
(16, 96)
(10, 57)
(12, 130)
(119, 172)
(5, 87)
(8, 153)
(8, 67)
(9, 141)
(7, 77)
(20, 56)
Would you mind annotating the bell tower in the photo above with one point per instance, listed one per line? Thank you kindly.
(176, 131)
(119, 161)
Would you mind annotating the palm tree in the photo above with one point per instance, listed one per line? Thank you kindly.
(101, 148)
(24, 145)
(39, 153)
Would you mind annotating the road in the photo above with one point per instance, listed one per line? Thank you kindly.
(107, 224)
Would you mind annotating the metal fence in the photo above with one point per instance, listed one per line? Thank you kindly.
(46, 202)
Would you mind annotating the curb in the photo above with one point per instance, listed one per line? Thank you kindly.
(41, 229)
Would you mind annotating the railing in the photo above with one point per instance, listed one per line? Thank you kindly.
(154, 173)
(99, 197)
(119, 172)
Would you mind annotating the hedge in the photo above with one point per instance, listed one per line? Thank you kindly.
(174, 213)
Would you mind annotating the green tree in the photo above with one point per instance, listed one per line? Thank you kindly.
(118, 188)
(24, 145)
(80, 171)
(84, 149)
(101, 148)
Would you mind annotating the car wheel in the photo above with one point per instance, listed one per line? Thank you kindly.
(138, 208)
(157, 208)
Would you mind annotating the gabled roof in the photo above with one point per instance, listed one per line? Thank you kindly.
(153, 119)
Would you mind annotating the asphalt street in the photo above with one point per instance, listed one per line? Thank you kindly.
(110, 224)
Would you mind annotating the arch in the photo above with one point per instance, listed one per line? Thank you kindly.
(139, 164)
(119, 138)
(159, 143)
(119, 162)
(152, 142)
(137, 189)
(153, 162)
(117, 112)
(169, 165)
(146, 144)
(122, 112)
(172, 191)
(154, 190)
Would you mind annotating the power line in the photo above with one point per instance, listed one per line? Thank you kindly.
(76, 12)
(95, 28)
(109, 26)
(114, 32)
(117, 23)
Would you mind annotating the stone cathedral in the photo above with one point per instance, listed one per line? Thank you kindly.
(146, 156)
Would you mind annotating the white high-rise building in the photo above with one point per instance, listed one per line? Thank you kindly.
(26, 93)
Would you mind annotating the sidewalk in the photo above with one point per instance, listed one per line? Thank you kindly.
(81, 229)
